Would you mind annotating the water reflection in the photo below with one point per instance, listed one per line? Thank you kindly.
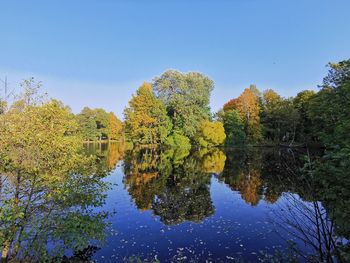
(53, 209)
(175, 186)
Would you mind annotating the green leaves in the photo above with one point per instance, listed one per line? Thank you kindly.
(186, 97)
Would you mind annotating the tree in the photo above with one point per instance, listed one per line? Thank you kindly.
(231, 105)
(146, 121)
(102, 122)
(186, 97)
(115, 127)
(47, 184)
(87, 124)
(211, 134)
(302, 104)
(249, 109)
(279, 117)
(234, 128)
(329, 109)
(97, 124)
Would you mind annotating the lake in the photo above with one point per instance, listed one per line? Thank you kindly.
(146, 205)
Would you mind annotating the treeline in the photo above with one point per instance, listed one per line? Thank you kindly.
(89, 124)
(310, 117)
(97, 124)
(174, 110)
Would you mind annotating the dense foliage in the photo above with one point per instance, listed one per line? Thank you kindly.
(186, 97)
(146, 121)
(47, 186)
(97, 124)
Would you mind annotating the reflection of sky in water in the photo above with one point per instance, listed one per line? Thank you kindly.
(235, 230)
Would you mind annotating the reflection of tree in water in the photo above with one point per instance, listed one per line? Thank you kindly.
(213, 160)
(261, 173)
(146, 172)
(243, 173)
(308, 221)
(177, 189)
(300, 215)
(106, 155)
(186, 196)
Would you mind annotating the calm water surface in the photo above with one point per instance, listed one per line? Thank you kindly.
(209, 206)
(145, 205)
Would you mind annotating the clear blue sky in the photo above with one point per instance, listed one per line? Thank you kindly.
(96, 53)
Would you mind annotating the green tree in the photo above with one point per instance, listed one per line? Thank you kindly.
(87, 124)
(304, 127)
(146, 121)
(234, 128)
(97, 124)
(278, 117)
(329, 109)
(186, 97)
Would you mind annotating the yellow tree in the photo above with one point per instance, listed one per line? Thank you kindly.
(146, 120)
(249, 109)
(115, 127)
(211, 133)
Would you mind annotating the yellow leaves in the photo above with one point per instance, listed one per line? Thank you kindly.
(270, 96)
(211, 133)
(36, 139)
(146, 121)
(115, 127)
(214, 162)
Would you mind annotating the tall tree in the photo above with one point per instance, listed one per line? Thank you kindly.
(87, 124)
(186, 97)
(330, 108)
(234, 127)
(302, 104)
(249, 109)
(146, 120)
(115, 127)
(278, 117)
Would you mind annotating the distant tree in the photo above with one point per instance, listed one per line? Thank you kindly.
(278, 117)
(249, 109)
(97, 124)
(87, 124)
(302, 104)
(211, 134)
(146, 120)
(115, 127)
(102, 121)
(231, 105)
(257, 94)
(234, 128)
(186, 97)
(177, 140)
